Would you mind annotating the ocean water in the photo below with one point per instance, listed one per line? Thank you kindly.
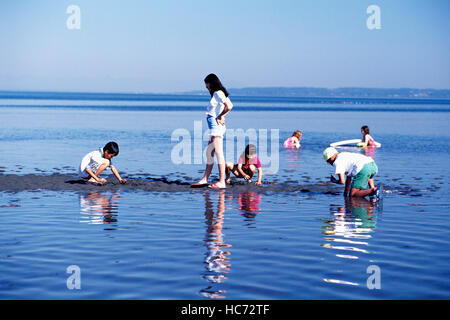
(247, 242)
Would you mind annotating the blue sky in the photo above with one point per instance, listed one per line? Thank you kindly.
(170, 46)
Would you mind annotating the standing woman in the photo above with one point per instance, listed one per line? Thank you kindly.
(218, 108)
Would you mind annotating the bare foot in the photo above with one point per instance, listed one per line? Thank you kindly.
(218, 186)
(221, 184)
(203, 181)
(100, 181)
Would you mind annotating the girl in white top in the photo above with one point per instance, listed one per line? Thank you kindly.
(217, 103)
(218, 107)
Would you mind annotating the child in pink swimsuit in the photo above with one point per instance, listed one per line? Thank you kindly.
(294, 140)
(246, 167)
(367, 139)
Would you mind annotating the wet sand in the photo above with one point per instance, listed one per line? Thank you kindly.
(62, 182)
(70, 182)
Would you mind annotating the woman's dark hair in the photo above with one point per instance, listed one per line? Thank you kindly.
(215, 84)
(365, 129)
(111, 147)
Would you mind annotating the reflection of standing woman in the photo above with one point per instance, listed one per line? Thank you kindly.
(217, 258)
(218, 107)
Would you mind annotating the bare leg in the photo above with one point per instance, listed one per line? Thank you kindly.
(100, 169)
(371, 183)
(218, 147)
(362, 193)
(209, 161)
(228, 167)
(236, 171)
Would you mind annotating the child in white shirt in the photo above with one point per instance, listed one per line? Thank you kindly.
(97, 161)
(353, 165)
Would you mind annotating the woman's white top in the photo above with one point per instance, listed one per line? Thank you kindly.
(217, 104)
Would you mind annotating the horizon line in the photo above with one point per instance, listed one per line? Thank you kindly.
(197, 92)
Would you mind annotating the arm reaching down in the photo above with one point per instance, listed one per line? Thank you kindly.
(117, 175)
(259, 177)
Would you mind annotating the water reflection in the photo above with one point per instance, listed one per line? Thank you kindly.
(350, 227)
(293, 159)
(249, 205)
(99, 207)
(348, 232)
(217, 257)
(370, 151)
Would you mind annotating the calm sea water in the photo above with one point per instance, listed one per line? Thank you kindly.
(212, 245)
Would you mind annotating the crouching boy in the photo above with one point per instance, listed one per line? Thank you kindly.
(97, 161)
(352, 165)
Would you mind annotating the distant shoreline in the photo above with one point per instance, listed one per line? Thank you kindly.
(280, 95)
(349, 92)
(278, 92)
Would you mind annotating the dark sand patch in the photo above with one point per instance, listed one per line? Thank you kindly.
(70, 182)
(62, 182)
